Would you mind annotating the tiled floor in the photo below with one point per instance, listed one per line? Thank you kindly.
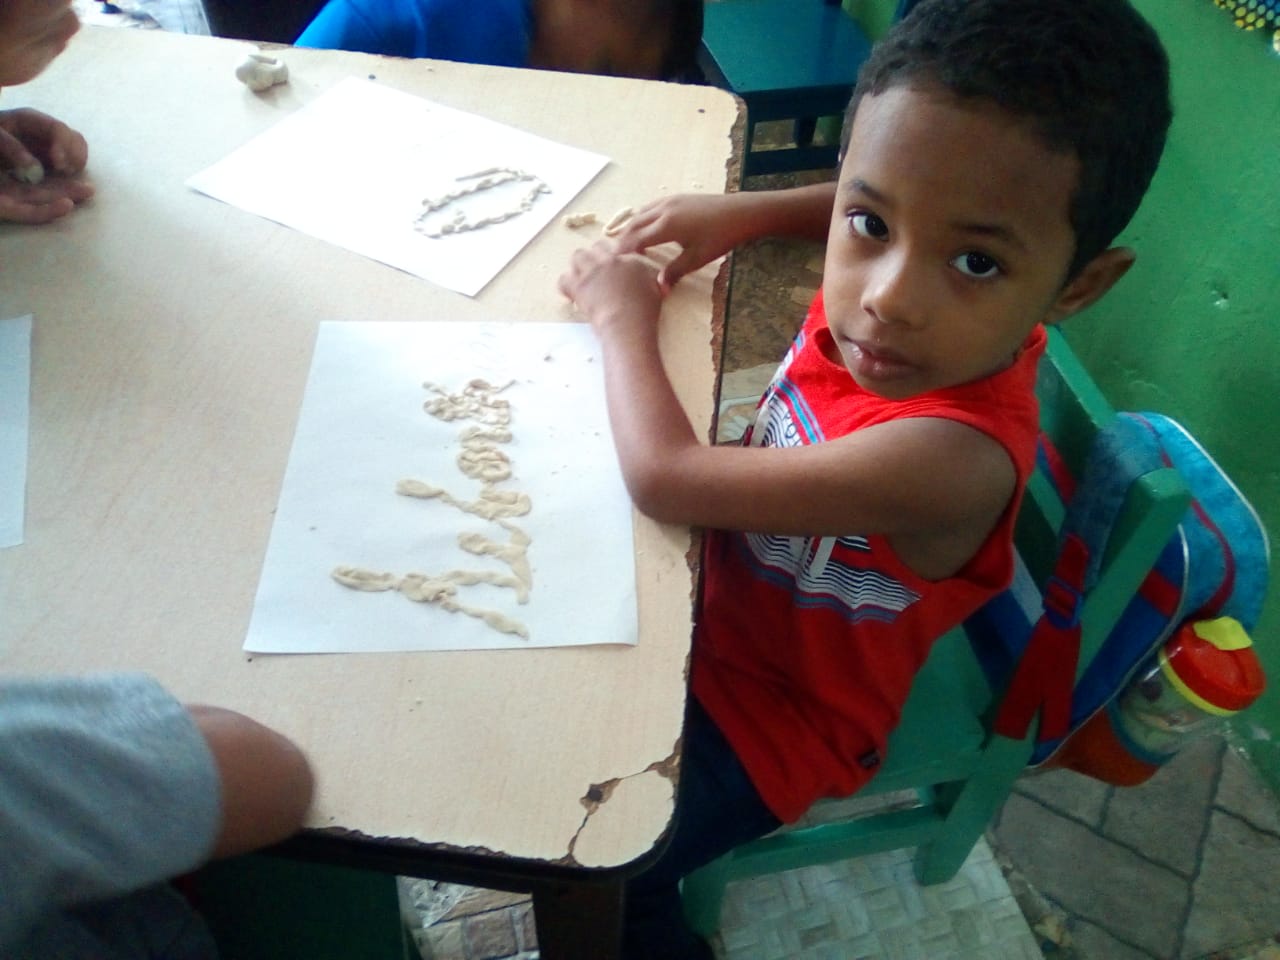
(865, 909)
(1181, 868)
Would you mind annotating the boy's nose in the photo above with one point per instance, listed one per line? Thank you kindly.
(896, 291)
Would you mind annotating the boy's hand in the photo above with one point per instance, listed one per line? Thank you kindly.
(702, 224)
(32, 146)
(612, 289)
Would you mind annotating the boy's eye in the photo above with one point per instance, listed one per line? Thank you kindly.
(977, 265)
(868, 225)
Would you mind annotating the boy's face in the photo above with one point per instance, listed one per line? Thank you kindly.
(950, 240)
(32, 33)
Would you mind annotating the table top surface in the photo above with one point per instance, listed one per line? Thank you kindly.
(171, 346)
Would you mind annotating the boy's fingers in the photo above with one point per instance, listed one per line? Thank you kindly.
(77, 190)
(684, 262)
(40, 203)
(18, 211)
(68, 151)
(49, 190)
(564, 285)
(63, 149)
(14, 156)
(638, 234)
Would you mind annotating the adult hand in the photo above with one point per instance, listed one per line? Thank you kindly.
(34, 145)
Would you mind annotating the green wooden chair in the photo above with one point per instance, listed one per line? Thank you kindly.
(263, 906)
(788, 60)
(947, 772)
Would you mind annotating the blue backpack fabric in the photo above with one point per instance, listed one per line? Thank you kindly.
(1216, 564)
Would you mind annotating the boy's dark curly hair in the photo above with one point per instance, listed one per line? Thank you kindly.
(1090, 76)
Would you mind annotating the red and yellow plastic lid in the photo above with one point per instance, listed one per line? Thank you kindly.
(1212, 664)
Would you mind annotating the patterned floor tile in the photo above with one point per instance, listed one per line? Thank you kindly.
(877, 910)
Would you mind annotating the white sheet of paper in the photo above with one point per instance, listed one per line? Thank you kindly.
(15, 413)
(354, 166)
(362, 428)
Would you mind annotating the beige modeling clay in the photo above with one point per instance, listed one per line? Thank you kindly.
(480, 460)
(439, 590)
(479, 182)
(368, 580)
(478, 401)
(492, 503)
(261, 71)
(515, 553)
(32, 173)
(618, 221)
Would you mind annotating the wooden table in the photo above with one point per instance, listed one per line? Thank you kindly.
(172, 340)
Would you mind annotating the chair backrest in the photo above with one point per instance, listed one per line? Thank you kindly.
(1072, 410)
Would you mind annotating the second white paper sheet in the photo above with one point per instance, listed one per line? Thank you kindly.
(363, 428)
(354, 166)
(15, 412)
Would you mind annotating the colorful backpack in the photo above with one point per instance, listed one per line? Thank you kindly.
(1215, 565)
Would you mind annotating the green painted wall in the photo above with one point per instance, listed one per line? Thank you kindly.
(1194, 329)
(874, 15)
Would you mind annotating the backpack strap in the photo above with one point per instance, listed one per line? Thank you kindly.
(1045, 675)
(1046, 670)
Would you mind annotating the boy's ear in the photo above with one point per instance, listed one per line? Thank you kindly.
(1097, 277)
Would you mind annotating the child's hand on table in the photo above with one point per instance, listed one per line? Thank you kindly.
(33, 144)
(706, 226)
(617, 292)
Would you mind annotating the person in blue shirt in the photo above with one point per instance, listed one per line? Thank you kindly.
(655, 39)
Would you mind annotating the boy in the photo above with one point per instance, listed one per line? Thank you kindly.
(655, 39)
(992, 151)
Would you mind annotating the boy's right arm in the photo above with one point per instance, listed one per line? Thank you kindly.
(707, 226)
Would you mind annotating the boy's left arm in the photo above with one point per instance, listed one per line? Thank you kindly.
(935, 482)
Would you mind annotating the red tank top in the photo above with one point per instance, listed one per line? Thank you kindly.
(805, 648)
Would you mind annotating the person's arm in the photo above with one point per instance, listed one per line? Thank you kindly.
(707, 226)
(109, 785)
(909, 479)
(266, 782)
(40, 160)
(341, 25)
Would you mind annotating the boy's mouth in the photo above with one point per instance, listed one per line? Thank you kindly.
(874, 362)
